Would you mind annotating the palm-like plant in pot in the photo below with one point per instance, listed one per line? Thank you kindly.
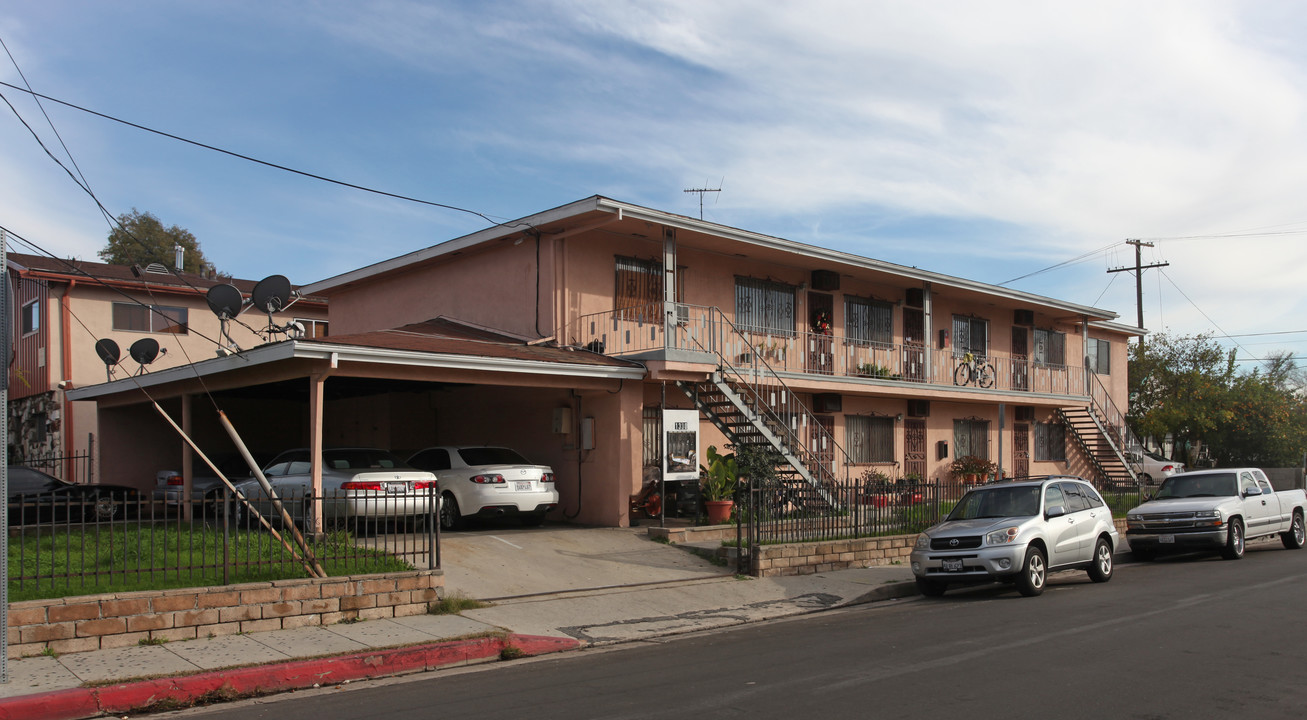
(718, 479)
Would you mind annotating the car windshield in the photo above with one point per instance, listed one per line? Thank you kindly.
(491, 456)
(997, 502)
(361, 459)
(1189, 485)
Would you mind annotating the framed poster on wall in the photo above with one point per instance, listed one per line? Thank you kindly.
(681, 444)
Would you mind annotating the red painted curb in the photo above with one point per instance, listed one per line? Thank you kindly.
(277, 677)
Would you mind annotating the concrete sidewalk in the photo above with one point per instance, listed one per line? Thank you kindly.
(180, 674)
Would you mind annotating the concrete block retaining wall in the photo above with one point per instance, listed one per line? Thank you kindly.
(815, 557)
(92, 622)
(811, 557)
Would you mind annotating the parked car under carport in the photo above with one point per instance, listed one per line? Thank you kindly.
(35, 497)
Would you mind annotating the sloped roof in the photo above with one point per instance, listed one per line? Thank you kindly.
(108, 272)
(449, 336)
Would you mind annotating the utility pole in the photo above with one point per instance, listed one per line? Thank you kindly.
(701, 191)
(1138, 270)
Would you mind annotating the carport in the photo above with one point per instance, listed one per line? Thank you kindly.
(436, 382)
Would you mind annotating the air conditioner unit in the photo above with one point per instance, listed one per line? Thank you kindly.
(682, 315)
(825, 280)
(827, 402)
(919, 408)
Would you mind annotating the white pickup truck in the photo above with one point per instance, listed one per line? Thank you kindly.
(1217, 509)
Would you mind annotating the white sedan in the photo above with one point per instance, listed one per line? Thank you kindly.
(488, 482)
(363, 483)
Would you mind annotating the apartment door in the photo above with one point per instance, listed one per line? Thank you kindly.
(914, 447)
(1020, 450)
(914, 344)
(820, 349)
(1020, 359)
(821, 439)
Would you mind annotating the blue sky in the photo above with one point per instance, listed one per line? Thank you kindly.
(986, 140)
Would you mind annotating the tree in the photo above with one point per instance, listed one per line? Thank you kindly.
(140, 238)
(1188, 388)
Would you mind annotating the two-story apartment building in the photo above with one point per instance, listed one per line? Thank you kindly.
(65, 306)
(599, 314)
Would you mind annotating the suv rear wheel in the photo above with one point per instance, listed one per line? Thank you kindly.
(1034, 573)
(1101, 570)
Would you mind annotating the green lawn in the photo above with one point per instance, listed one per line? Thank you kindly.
(128, 557)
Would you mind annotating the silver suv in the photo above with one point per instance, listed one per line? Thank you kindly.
(1017, 532)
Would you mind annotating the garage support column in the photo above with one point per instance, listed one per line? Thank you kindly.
(316, 383)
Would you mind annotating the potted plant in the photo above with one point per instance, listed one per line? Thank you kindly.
(718, 479)
(971, 469)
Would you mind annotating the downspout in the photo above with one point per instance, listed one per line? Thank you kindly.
(66, 360)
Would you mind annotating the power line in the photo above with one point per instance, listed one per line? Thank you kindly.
(1200, 311)
(1072, 261)
(266, 163)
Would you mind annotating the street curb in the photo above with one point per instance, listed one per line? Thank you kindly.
(888, 591)
(185, 690)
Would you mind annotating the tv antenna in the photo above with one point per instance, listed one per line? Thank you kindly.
(701, 191)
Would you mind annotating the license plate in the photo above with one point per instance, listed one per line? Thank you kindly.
(523, 485)
(951, 564)
(1166, 539)
(395, 487)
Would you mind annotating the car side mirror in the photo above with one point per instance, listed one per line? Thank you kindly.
(1055, 511)
(1252, 491)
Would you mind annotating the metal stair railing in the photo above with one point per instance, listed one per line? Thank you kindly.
(1112, 425)
(767, 402)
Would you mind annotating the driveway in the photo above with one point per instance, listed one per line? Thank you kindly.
(496, 562)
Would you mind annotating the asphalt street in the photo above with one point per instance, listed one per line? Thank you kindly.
(1187, 637)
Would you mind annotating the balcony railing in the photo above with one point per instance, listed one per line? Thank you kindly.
(694, 328)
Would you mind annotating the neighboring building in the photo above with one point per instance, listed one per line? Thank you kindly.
(846, 364)
(65, 306)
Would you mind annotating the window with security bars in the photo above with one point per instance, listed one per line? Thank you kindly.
(1050, 442)
(869, 439)
(1050, 347)
(764, 306)
(971, 437)
(653, 437)
(868, 321)
(639, 288)
(1099, 353)
(970, 335)
(149, 318)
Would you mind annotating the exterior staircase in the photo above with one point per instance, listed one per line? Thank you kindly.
(1102, 434)
(753, 407)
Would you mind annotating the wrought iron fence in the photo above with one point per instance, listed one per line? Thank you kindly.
(857, 507)
(73, 468)
(777, 512)
(79, 545)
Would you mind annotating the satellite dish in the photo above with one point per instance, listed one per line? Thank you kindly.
(108, 351)
(272, 293)
(144, 351)
(224, 300)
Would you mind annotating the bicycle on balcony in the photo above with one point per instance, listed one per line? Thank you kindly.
(974, 370)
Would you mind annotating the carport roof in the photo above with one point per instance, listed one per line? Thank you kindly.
(440, 343)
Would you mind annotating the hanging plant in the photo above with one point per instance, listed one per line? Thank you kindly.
(821, 323)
